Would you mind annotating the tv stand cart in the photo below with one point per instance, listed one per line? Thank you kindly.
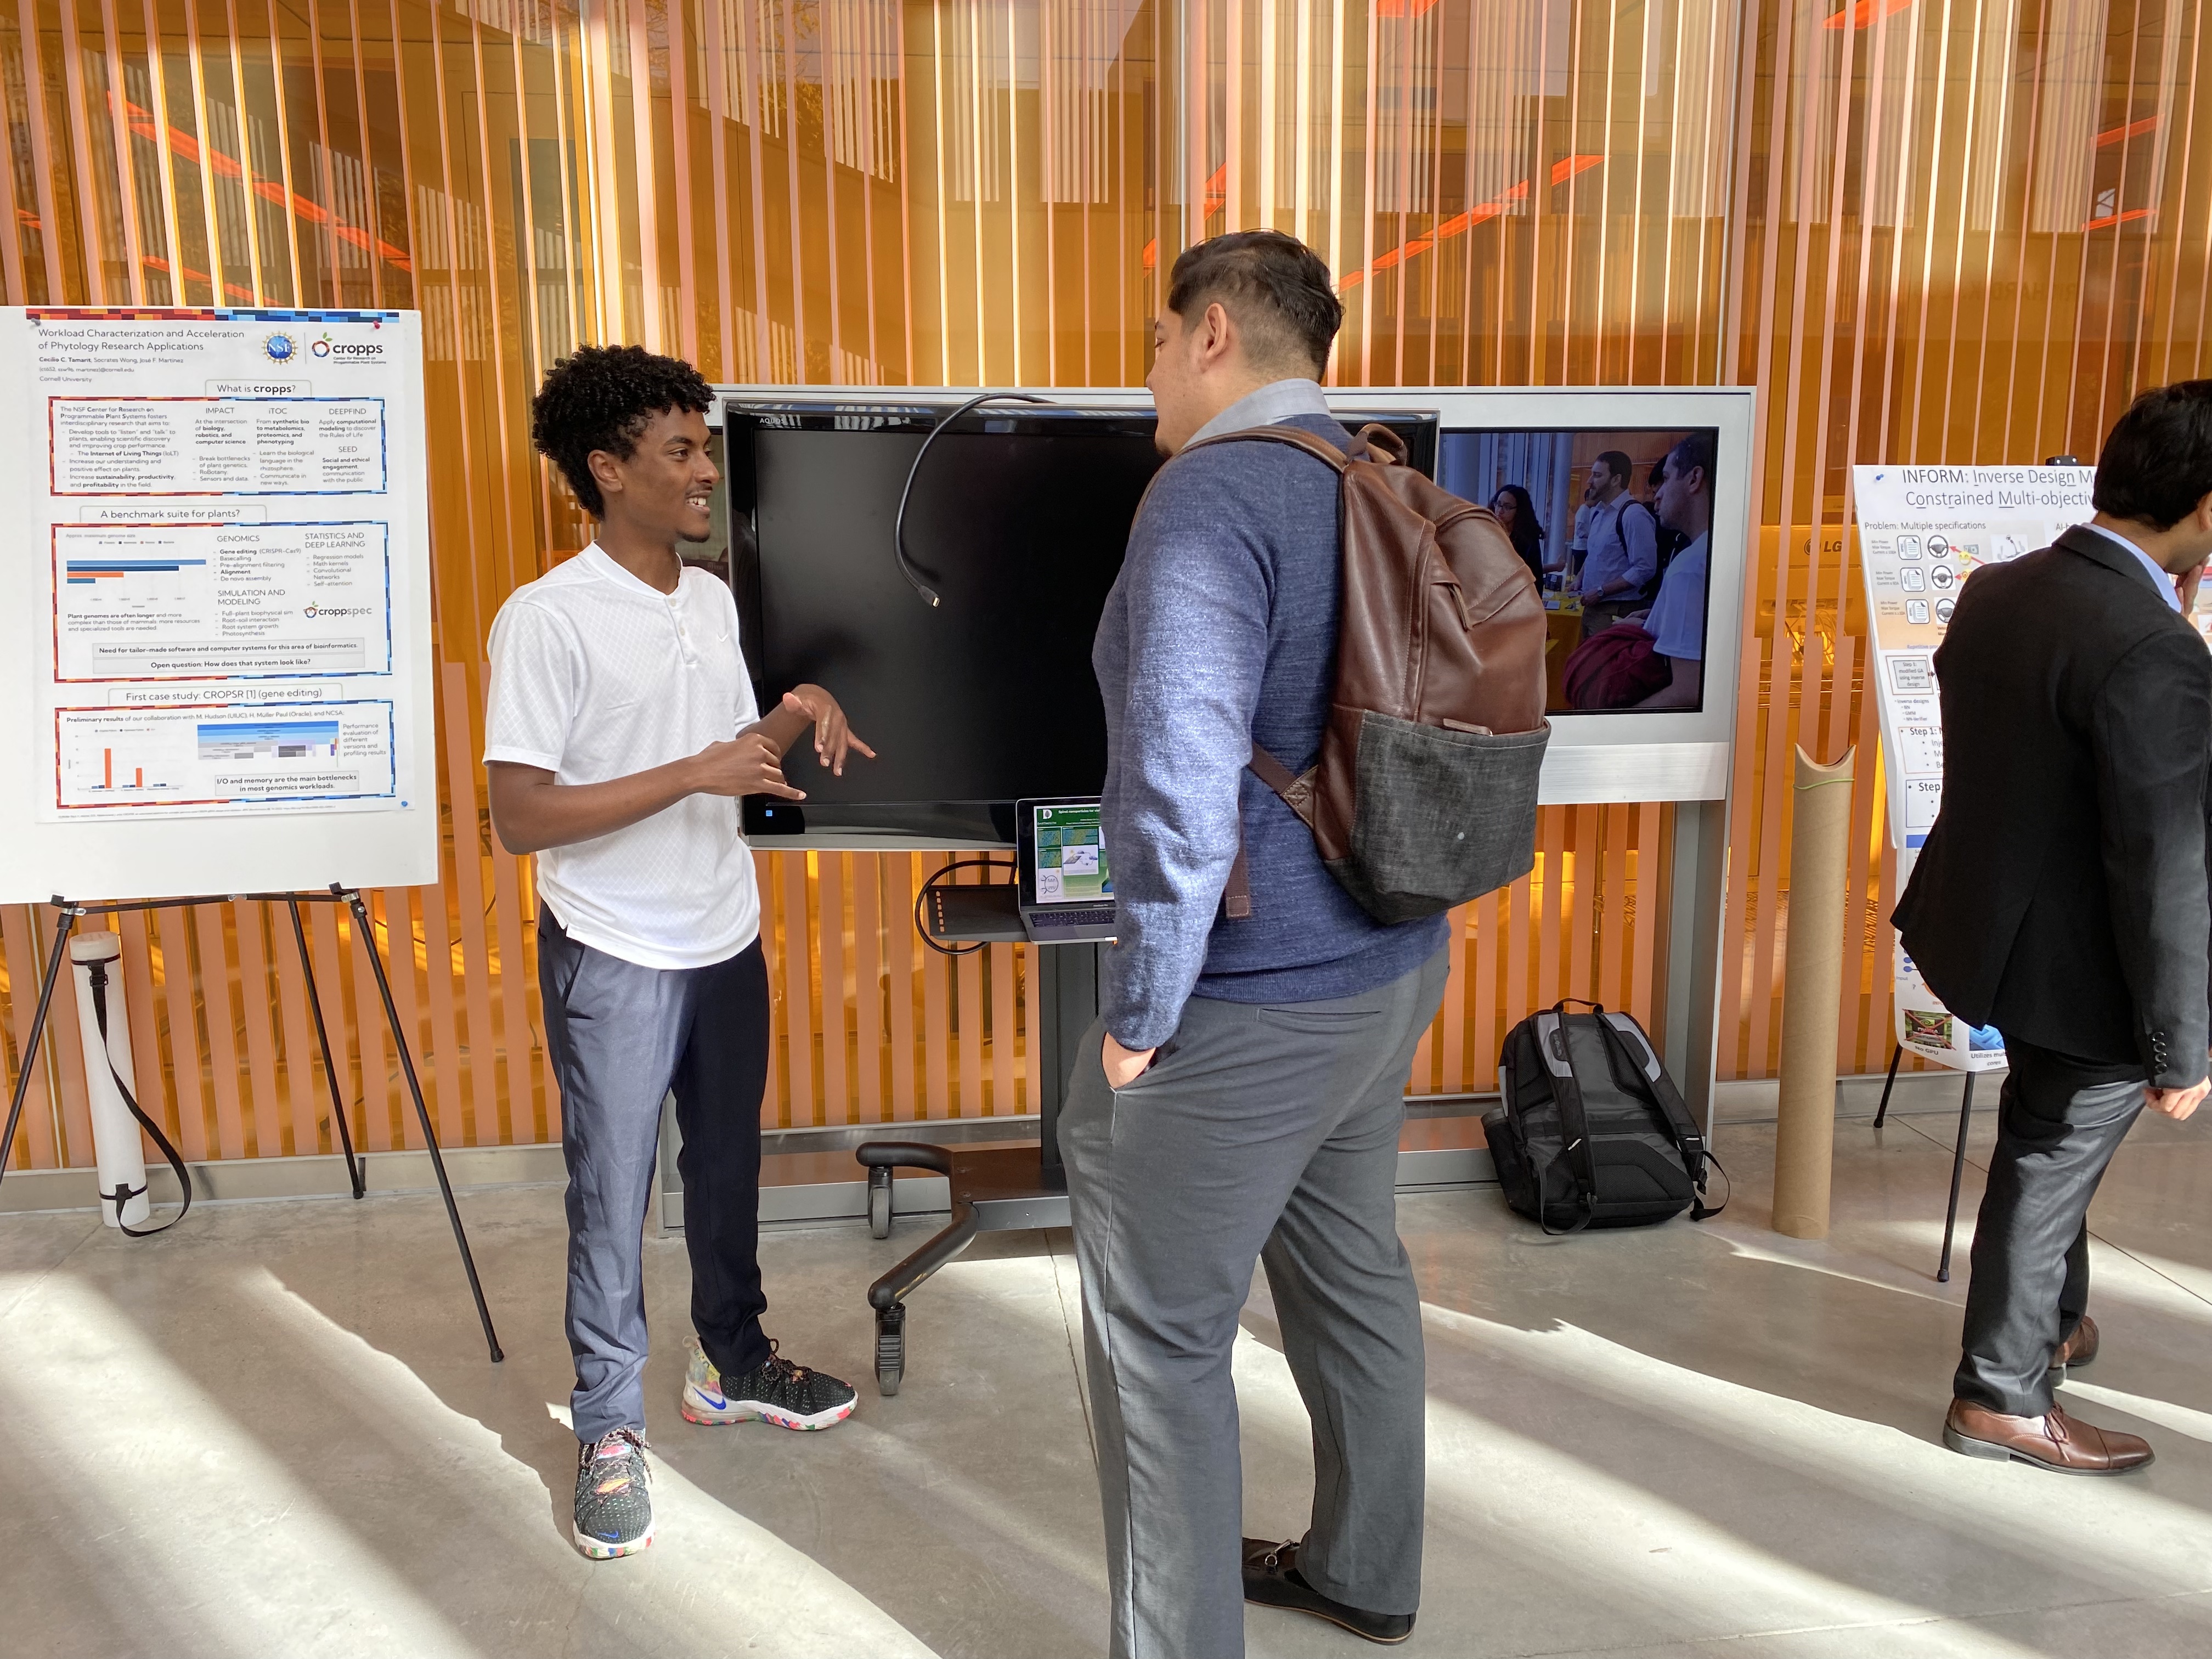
(994, 1189)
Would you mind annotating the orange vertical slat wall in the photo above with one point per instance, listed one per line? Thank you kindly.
(1924, 233)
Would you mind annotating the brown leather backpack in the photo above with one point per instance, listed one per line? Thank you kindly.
(1425, 794)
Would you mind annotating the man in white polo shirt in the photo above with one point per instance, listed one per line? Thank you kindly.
(622, 735)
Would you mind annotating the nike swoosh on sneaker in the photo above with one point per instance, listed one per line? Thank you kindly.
(719, 1403)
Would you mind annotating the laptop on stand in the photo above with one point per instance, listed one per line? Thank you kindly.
(1067, 884)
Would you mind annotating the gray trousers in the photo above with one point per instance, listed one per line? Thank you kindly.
(1267, 1132)
(622, 1037)
(2059, 1121)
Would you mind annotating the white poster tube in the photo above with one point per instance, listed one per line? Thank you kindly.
(115, 1133)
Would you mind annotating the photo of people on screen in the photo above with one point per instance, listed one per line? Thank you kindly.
(1614, 525)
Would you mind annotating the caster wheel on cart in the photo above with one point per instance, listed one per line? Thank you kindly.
(891, 1349)
(879, 1203)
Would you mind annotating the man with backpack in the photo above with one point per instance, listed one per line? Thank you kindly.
(1623, 561)
(1242, 1096)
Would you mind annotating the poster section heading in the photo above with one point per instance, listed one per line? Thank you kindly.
(225, 562)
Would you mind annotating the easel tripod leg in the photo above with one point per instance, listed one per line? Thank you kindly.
(330, 1070)
(422, 1112)
(1958, 1168)
(30, 1050)
(1896, 1054)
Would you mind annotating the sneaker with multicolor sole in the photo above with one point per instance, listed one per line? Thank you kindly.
(775, 1391)
(614, 1496)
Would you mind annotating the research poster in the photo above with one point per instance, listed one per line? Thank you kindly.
(224, 569)
(1922, 530)
(215, 650)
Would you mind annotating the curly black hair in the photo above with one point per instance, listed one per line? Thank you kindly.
(603, 398)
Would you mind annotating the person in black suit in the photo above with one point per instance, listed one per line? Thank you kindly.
(2062, 897)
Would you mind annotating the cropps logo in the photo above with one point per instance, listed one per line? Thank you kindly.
(326, 349)
(336, 611)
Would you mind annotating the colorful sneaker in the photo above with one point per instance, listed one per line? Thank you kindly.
(775, 1391)
(614, 1499)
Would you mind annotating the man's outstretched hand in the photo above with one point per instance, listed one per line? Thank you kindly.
(833, 737)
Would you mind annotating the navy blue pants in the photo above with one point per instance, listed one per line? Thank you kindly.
(622, 1037)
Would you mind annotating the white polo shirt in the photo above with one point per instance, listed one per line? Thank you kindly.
(596, 675)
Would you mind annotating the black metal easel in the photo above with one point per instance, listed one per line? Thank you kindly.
(1958, 1156)
(993, 1190)
(351, 896)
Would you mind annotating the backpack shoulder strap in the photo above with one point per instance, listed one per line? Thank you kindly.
(1628, 1040)
(1297, 436)
(1574, 1123)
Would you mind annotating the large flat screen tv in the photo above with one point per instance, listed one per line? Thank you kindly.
(1019, 520)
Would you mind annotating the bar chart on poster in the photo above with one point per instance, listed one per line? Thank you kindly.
(216, 610)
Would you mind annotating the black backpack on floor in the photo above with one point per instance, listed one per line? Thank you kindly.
(1593, 1132)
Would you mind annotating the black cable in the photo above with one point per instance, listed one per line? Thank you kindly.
(932, 881)
(122, 1195)
(898, 525)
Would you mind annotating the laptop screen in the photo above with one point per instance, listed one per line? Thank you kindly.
(1070, 853)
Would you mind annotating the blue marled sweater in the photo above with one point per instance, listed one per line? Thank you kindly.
(1221, 632)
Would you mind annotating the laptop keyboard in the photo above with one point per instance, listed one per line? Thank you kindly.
(1100, 915)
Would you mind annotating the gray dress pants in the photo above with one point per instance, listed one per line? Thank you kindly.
(1267, 1132)
(2059, 1121)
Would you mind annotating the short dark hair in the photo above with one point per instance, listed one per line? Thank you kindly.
(1276, 288)
(1619, 464)
(603, 398)
(1694, 449)
(2157, 462)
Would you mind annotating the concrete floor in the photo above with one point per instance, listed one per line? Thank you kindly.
(274, 1432)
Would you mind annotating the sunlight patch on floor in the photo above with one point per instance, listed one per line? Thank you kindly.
(202, 1525)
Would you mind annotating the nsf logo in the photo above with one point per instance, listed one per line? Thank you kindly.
(281, 348)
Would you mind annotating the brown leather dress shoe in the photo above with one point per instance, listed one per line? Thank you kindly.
(2064, 1444)
(2078, 1349)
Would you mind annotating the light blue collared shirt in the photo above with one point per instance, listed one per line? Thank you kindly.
(1270, 405)
(2158, 573)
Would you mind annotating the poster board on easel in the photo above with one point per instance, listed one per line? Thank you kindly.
(215, 614)
(1922, 530)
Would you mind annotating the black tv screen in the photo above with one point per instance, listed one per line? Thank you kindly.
(1018, 520)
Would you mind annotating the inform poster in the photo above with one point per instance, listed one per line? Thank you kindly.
(221, 525)
(1923, 532)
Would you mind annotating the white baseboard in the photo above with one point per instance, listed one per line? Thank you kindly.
(237, 1179)
(267, 1179)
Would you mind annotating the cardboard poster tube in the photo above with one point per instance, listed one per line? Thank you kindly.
(1813, 968)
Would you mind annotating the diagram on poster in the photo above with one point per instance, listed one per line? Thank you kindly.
(220, 589)
(1923, 532)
